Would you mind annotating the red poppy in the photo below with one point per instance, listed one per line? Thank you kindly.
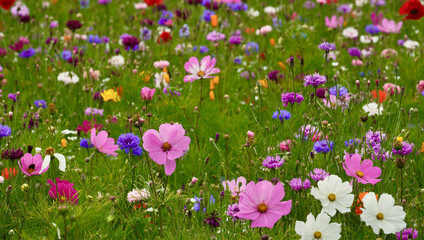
(6, 4)
(153, 2)
(164, 37)
(381, 95)
(8, 173)
(413, 8)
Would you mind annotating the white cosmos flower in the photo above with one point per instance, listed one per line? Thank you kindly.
(270, 10)
(350, 32)
(409, 44)
(319, 228)
(253, 13)
(368, 39)
(59, 157)
(334, 195)
(382, 214)
(68, 77)
(373, 109)
(361, 3)
(117, 61)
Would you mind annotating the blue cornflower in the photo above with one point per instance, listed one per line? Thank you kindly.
(251, 47)
(40, 103)
(66, 54)
(94, 39)
(5, 131)
(85, 143)
(207, 15)
(237, 61)
(212, 200)
(196, 206)
(282, 115)
(162, 21)
(128, 142)
(167, 14)
(352, 142)
(84, 3)
(238, 6)
(323, 146)
(184, 31)
(338, 91)
(145, 33)
(372, 29)
(203, 49)
(27, 53)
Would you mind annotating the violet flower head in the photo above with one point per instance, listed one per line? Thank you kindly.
(372, 29)
(318, 174)
(403, 148)
(338, 91)
(129, 142)
(73, 24)
(354, 52)
(27, 53)
(327, 46)
(215, 36)
(232, 211)
(5, 131)
(213, 220)
(282, 115)
(291, 97)
(297, 184)
(273, 162)
(323, 146)
(314, 80)
(12, 154)
(344, 8)
(407, 234)
(63, 191)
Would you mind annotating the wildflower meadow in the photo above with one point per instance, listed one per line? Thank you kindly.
(212, 119)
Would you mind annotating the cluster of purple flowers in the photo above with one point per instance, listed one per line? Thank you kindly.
(273, 162)
(407, 233)
(314, 80)
(403, 148)
(232, 211)
(130, 143)
(326, 46)
(297, 184)
(5, 131)
(318, 174)
(85, 143)
(93, 111)
(338, 91)
(323, 146)
(282, 115)
(374, 140)
(291, 97)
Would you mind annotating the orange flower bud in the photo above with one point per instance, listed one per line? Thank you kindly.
(211, 95)
(216, 80)
(212, 86)
(214, 20)
(282, 66)
(63, 142)
(272, 41)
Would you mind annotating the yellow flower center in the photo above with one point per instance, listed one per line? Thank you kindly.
(166, 147)
(332, 197)
(317, 235)
(262, 207)
(359, 174)
(31, 168)
(380, 216)
(201, 74)
(62, 198)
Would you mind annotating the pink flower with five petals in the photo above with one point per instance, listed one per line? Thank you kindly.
(363, 171)
(200, 71)
(103, 143)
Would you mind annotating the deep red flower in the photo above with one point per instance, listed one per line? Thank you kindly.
(413, 8)
(6, 4)
(153, 2)
(164, 37)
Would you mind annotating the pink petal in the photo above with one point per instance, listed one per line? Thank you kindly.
(277, 194)
(264, 191)
(191, 78)
(192, 66)
(152, 141)
(281, 208)
(158, 156)
(204, 63)
(174, 154)
(170, 166)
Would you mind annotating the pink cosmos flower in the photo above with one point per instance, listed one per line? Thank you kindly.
(261, 202)
(166, 145)
(264, 30)
(235, 186)
(147, 93)
(285, 145)
(420, 86)
(103, 143)
(31, 166)
(63, 191)
(161, 64)
(202, 70)
(390, 88)
(390, 26)
(363, 171)
(335, 22)
(357, 62)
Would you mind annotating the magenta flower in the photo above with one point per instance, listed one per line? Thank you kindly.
(334, 22)
(166, 145)
(389, 26)
(202, 70)
(103, 143)
(31, 166)
(147, 93)
(363, 171)
(261, 202)
(63, 191)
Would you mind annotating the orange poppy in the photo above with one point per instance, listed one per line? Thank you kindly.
(8, 173)
(381, 95)
(358, 210)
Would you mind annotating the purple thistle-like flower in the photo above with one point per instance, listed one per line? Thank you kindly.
(404, 149)
(314, 80)
(12, 154)
(273, 162)
(327, 46)
(297, 184)
(354, 52)
(291, 97)
(232, 211)
(318, 174)
(128, 142)
(27, 53)
(5, 131)
(323, 146)
(407, 233)
(213, 220)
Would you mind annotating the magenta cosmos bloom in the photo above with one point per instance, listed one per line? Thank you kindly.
(202, 70)
(261, 202)
(166, 145)
(31, 166)
(363, 171)
(63, 191)
(103, 143)
(147, 93)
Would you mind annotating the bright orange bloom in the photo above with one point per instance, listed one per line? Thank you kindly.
(8, 173)
(381, 95)
(272, 41)
(358, 210)
(214, 20)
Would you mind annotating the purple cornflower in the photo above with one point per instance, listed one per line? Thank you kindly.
(372, 29)
(238, 6)
(338, 91)
(291, 97)
(273, 162)
(27, 53)
(344, 8)
(232, 211)
(354, 52)
(12, 154)
(297, 184)
(323, 146)
(184, 31)
(129, 42)
(407, 233)
(374, 137)
(128, 142)
(282, 115)
(403, 148)
(94, 111)
(5, 131)
(145, 33)
(327, 46)
(235, 39)
(213, 220)
(251, 47)
(207, 15)
(318, 174)
(94, 39)
(314, 80)
(40, 103)
(275, 75)
(104, 2)
(66, 55)
(352, 142)
(85, 143)
(215, 36)
(12, 96)
(203, 49)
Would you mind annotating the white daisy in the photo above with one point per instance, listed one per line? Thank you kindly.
(68, 77)
(373, 109)
(334, 195)
(319, 228)
(350, 32)
(117, 61)
(382, 214)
